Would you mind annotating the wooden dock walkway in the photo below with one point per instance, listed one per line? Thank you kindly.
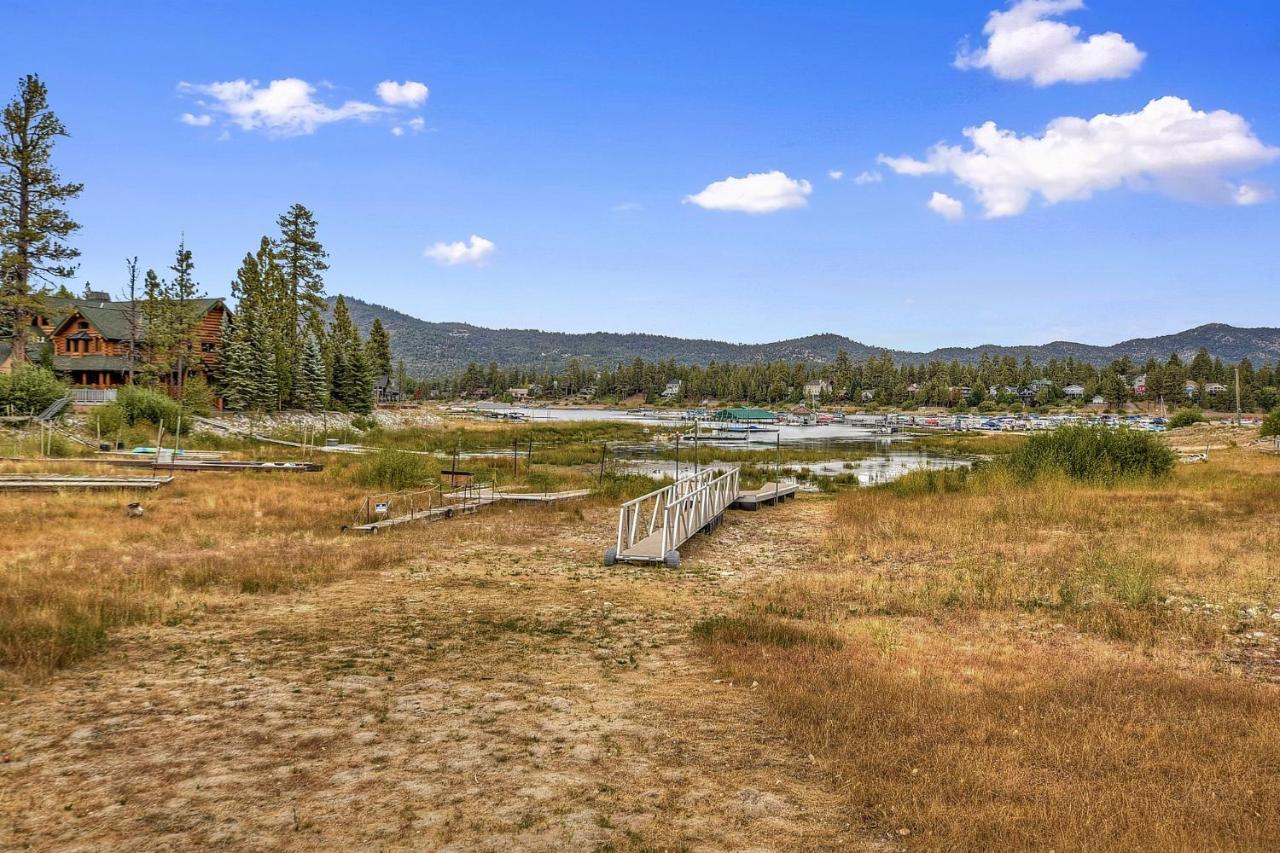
(56, 482)
(467, 500)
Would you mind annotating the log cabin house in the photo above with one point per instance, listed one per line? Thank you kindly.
(88, 339)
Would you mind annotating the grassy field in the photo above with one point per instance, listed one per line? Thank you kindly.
(82, 569)
(1053, 664)
(958, 660)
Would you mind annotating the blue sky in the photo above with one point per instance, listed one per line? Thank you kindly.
(572, 135)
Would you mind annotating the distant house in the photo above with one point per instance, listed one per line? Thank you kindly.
(1038, 385)
(385, 389)
(913, 389)
(1191, 388)
(868, 395)
(672, 390)
(816, 388)
(1097, 400)
(518, 393)
(1076, 391)
(1213, 389)
(1140, 384)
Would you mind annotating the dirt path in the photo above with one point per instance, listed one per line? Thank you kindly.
(504, 691)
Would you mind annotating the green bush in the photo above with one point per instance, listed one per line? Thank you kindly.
(30, 390)
(1092, 454)
(145, 404)
(197, 396)
(394, 470)
(1271, 423)
(1186, 417)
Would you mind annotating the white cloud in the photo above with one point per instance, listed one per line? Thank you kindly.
(868, 177)
(417, 124)
(1165, 146)
(835, 174)
(1023, 44)
(406, 94)
(950, 209)
(397, 131)
(628, 207)
(761, 192)
(1249, 193)
(196, 120)
(472, 251)
(281, 108)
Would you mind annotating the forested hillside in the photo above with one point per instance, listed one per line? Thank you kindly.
(434, 349)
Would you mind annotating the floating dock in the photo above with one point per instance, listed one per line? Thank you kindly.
(58, 482)
(461, 501)
(179, 464)
(767, 495)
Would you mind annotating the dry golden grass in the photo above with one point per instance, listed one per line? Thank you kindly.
(1036, 666)
(75, 567)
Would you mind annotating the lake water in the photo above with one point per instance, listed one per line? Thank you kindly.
(856, 448)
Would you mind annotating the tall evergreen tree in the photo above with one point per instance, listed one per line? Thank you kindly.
(252, 369)
(238, 381)
(312, 390)
(352, 381)
(182, 293)
(379, 349)
(300, 258)
(34, 223)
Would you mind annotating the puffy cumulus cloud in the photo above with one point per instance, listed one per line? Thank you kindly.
(835, 174)
(281, 108)
(472, 251)
(406, 94)
(950, 209)
(1165, 146)
(196, 120)
(1023, 44)
(868, 177)
(760, 192)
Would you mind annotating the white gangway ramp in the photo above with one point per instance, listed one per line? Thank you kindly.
(652, 527)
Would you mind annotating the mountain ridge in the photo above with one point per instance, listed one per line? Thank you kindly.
(431, 348)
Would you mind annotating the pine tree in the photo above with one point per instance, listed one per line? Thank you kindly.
(379, 349)
(182, 293)
(34, 223)
(300, 258)
(352, 377)
(278, 321)
(312, 391)
(239, 387)
(359, 390)
(252, 369)
(157, 329)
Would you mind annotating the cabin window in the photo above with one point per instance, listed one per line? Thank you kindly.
(206, 346)
(82, 325)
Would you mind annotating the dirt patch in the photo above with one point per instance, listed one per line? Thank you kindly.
(505, 691)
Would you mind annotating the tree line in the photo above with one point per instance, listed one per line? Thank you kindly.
(996, 381)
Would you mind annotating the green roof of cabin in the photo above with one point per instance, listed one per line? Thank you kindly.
(112, 318)
(744, 414)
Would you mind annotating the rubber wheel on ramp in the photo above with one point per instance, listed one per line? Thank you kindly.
(671, 559)
(611, 557)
